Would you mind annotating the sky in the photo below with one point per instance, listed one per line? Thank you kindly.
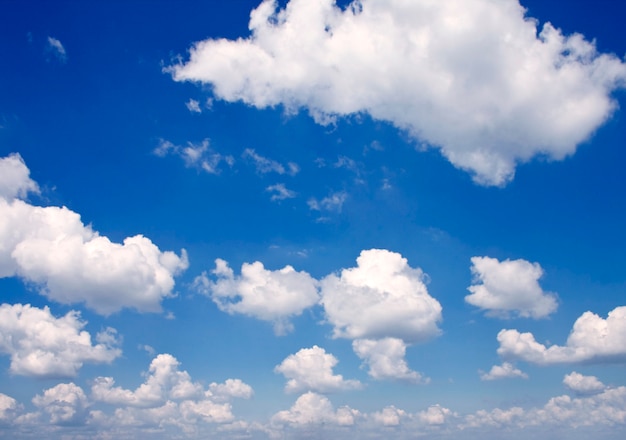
(312, 219)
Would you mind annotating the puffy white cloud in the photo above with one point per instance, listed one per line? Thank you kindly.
(280, 192)
(8, 406)
(509, 287)
(313, 409)
(66, 404)
(435, 415)
(264, 165)
(311, 369)
(583, 384)
(385, 359)
(475, 78)
(504, 371)
(72, 263)
(15, 178)
(229, 389)
(389, 416)
(41, 345)
(193, 106)
(382, 297)
(592, 339)
(199, 156)
(273, 296)
(56, 48)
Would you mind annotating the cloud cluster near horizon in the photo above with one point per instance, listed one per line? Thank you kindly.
(474, 78)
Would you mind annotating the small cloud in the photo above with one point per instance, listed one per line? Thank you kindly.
(504, 371)
(333, 202)
(199, 156)
(280, 192)
(56, 48)
(193, 106)
(264, 165)
(583, 384)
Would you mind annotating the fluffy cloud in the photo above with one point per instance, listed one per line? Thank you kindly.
(592, 339)
(193, 106)
(280, 192)
(385, 359)
(8, 405)
(272, 296)
(198, 156)
(474, 78)
(72, 263)
(41, 345)
(311, 369)
(65, 403)
(389, 416)
(314, 409)
(509, 287)
(583, 384)
(382, 297)
(15, 178)
(504, 371)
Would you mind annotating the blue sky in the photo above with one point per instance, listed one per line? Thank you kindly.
(311, 219)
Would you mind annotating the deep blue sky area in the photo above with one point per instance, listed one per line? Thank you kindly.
(312, 219)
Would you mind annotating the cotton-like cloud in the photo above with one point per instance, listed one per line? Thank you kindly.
(273, 296)
(70, 262)
(193, 106)
(280, 192)
(385, 359)
(504, 371)
(435, 415)
(8, 406)
(44, 346)
(474, 78)
(15, 178)
(264, 165)
(56, 47)
(592, 340)
(583, 384)
(311, 369)
(510, 287)
(199, 156)
(314, 409)
(389, 416)
(381, 297)
(66, 404)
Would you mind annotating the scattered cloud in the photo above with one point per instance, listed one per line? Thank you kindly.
(481, 82)
(193, 106)
(273, 296)
(264, 165)
(381, 297)
(199, 156)
(42, 345)
(65, 403)
(583, 384)
(504, 371)
(311, 369)
(280, 192)
(55, 47)
(70, 262)
(314, 409)
(8, 407)
(389, 416)
(510, 287)
(592, 340)
(332, 203)
(385, 359)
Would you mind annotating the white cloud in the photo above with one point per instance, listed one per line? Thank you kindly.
(592, 339)
(311, 369)
(382, 297)
(389, 416)
(199, 156)
(231, 388)
(57, 49)
(280, 192)
(273, 296)
(333, 202)
(65, 403)
(385, 359)
(435, 415)
(314, 409)
(474, 78)
(510, 287)
(8, 406)
(193, 106)
(41, 345)
(15, 178)
(264, 165)
(583, 384)
(504, 371)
